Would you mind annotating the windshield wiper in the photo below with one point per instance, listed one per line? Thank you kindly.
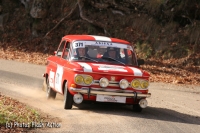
(88, 58)
(106, 57)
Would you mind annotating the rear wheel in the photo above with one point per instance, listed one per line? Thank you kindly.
(50, 92)
(68, 98)
(137, 108)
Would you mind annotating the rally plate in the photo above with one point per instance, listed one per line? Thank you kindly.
(114, 99)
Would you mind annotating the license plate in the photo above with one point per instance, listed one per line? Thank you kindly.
(114, 99)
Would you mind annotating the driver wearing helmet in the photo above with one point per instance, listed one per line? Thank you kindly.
(112, 53)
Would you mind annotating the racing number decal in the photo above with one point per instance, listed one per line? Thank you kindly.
(58, 78)
(51, 79)
(79, 44)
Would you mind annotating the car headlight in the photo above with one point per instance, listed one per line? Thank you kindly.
(78, 79)
(135, 83)
(123, 84)
(103, 82)
(88, 80)
(144, 84)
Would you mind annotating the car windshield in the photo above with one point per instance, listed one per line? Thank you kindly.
(107, 52)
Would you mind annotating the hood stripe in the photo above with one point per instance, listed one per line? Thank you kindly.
(101, 38)
(136, 72)
(86, 67)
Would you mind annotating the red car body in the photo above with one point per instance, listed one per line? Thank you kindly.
(93, 77)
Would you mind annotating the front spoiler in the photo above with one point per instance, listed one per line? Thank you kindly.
(94, 92)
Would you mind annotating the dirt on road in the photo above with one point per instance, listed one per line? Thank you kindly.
(172, 107)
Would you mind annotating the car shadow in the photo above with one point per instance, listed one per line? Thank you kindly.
(153, 113)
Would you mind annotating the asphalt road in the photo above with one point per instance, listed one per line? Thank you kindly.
(172, 108)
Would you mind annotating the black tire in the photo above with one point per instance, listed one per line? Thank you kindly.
(50, 93)
(68, 98)
(137, 108)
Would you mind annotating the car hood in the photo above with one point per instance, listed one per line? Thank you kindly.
(111, 69)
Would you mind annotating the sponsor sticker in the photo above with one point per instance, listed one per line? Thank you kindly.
(110, 67)
(103, 43)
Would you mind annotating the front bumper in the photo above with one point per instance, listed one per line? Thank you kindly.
(89, 91)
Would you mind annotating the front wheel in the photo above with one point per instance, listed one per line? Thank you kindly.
(68, 98)
(50, 92)
(137, 108)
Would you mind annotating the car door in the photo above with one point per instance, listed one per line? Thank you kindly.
(60, 66)
(56, 69)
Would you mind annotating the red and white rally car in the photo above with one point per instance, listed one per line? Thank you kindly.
(96, 68)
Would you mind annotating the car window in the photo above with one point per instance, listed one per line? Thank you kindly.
(66, 51)
(131, 58)
(106, 52)
(60, 49)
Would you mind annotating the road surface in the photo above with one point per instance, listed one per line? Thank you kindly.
(172, 108)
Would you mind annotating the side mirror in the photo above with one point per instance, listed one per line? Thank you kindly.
(140, 62)
(55, 52)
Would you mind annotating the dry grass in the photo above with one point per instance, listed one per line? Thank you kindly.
(18, 117)
(12, 111)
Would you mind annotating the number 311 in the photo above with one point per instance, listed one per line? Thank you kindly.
(79, 44)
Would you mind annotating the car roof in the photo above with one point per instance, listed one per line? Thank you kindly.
(94, 38)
